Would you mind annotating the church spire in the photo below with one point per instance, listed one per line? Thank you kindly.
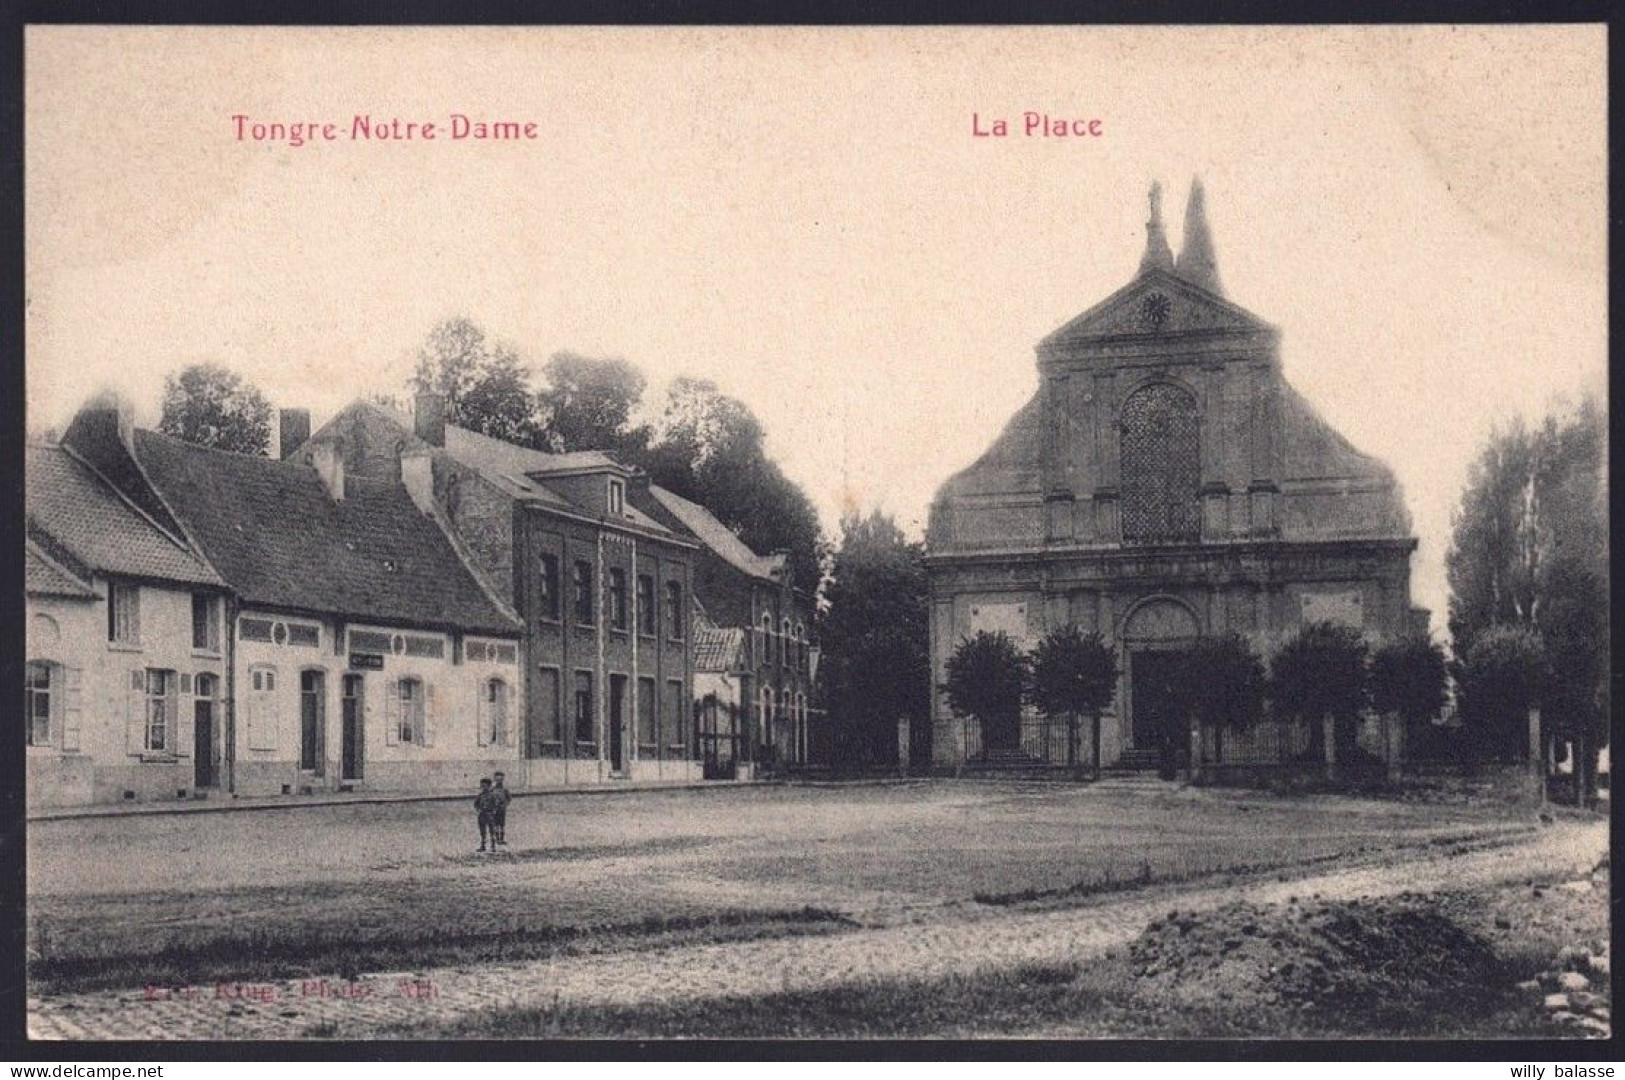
(1197, 262)
(1158, 255)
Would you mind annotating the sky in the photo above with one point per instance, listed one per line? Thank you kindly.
(805, 217)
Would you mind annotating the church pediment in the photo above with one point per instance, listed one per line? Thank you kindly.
(1158, 304)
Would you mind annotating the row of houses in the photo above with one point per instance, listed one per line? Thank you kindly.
(392, 603)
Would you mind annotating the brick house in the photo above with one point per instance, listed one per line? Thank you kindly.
(759, 659)
(602, 589)
(354, 648)
(1164, 482)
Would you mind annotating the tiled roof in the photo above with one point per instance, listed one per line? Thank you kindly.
(44, 577)
(68, 500)
(714, 534)
(513, 468)
(281, 541)
(719, 649)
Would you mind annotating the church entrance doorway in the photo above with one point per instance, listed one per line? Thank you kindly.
(1155, 637)
(1001, 733)
(1157, 725)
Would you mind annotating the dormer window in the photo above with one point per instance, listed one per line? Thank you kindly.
(617, 497)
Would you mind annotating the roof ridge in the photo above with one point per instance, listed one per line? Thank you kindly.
(31, 544)
(179, 542)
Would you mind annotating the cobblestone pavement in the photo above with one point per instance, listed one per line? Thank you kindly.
(951, 937)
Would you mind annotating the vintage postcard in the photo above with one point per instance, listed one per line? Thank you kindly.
(1083, 533)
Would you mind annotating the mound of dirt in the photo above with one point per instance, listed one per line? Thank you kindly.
(1363, 964)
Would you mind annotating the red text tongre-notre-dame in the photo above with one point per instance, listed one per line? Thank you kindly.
(363, 127)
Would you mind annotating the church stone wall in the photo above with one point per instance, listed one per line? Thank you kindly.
(1293, 524)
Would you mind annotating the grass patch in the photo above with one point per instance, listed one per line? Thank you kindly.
(1107, 883)
(290, 954)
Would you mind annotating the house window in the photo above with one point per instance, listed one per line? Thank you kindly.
(584, 716)
(617, 497)
(123, 613)
(583, 593)
(496, 712)
(551, 726)
(160, 725)
(647, 727)
(674, 610)
(617, 598)
(205, 624)
(39, 688)
(647, 614)
(547, 588)
(411, 714)
(304, 634)
(674, 711)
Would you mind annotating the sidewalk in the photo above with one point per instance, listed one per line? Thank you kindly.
(226, 801)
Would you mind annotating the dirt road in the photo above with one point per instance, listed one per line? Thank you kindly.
(952, 937)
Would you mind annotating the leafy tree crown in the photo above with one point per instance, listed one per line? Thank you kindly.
(1321, 671)
(1073, 672)
(213, 406)
(987, 676)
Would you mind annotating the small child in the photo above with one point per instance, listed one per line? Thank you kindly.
(499, 811)
(484, 811)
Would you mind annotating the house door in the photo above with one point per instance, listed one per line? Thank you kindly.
(1153, 717)
(203, 734)
(312, 694)
(617, 716)
(350, 753)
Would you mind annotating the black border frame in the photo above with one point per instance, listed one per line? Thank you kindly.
(13, 1042)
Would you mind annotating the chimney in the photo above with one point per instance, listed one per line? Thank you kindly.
(293, 432)
(105, 421)
(329, 465)
(429, 417)
(417, 473)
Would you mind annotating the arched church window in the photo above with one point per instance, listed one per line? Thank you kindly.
(1161, 466)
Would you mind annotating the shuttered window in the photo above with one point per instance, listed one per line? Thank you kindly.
(674, 610)
(584, 720)
(675, 712)
(123, 613)
(41, 692)
(648, 724)
(550, 722)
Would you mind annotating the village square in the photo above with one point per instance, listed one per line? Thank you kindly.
(1146, 736)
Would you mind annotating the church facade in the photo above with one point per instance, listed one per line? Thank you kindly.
(1164, 482)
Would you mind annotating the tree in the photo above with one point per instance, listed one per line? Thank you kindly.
(1323, 671)
(211, 405)
(1502, 677)
(1074, 674)
(986, 681)
(712, 449)
(499, 403)
(485, 386)
(1409, 678)
(587, 404)
(1529, 548)
(1221, 685)
(876, 665)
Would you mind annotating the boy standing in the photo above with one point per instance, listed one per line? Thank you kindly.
(499, 812)
(484, 812)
